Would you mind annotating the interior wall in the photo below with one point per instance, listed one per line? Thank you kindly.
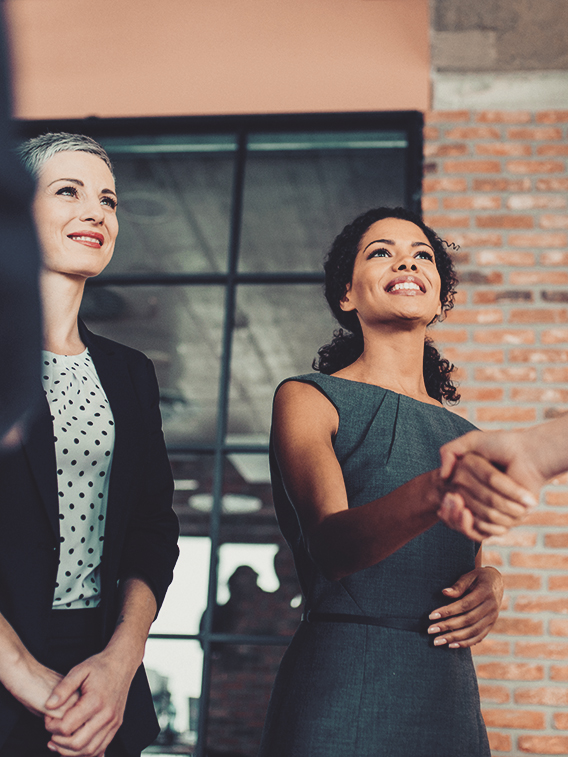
(74, 59)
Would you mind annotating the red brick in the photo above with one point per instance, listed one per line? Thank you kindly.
(541, 133)
(552, 185)
(460, 298)
(439, 116)
(431, 133)
(556, 498)
(551, 695)
(562, 479)
(555, 257)
(504, 117)
(506, 149)
(499, 742)
(554, 295)
(538, 356)
(541, 604)
(501, 718)
(445, 150)
(493, 296)
(505, 222)
(497, 257)
(505, 374)
(478, 239)
(552, 151)
(481, 394)
(554, 221)
(532, 394)
(535, 202)
(518, 537)
(539, 240)
(555, 375)
(478, 166)
(445, 184)
(533, 166)
(491, 648)
(478, 277)
(446, 336)
(430, 203)
(541, 650)
(448, 221)
(558, 673)
(504, 185)
(505, 414)
(482, 316)
(558, 583)
(543, 744)
(538, 277)
(455, 354)
(504, 336)
(552, 117)
(554, 412)
(539, 561)
(519, 671)
(539, 315)
(472, 202)
(545, 518)
(558, 627)
(473, 132)
(522, 581)
(560, 720)
(495, 694)
(518, 627)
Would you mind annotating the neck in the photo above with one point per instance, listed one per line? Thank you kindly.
(392, 358)
(61, 298)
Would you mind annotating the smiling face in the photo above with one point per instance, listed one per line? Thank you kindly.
(395, 277)
(75, 213)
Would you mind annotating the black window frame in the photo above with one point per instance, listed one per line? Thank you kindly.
(239, 126)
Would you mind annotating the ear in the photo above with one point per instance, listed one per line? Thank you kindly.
(439, 310)
(345, 303)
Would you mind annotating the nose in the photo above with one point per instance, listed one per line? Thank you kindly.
(92, 210)
(408, 264)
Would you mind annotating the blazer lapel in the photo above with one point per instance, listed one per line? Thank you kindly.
(115, 379)
(39, 448)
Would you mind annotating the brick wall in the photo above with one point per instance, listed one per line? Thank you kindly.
(496, 183)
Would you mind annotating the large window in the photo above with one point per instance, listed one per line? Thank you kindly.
(217, 278)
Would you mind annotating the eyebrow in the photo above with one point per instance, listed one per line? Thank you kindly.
(392, 242)
(81, 184)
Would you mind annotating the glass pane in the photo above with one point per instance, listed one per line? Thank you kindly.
(278, 330)
(186, 599)
(301, 189)
(180, 329)
(174, 204)
(241, 682)
(174, 670)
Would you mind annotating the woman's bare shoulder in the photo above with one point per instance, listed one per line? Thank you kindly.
(303, 402)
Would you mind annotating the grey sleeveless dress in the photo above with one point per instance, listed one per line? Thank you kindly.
(357, 690)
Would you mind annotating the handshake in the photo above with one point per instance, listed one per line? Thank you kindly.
(493, 479)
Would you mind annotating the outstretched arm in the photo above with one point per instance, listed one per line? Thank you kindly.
(103, 681)
(530, 457)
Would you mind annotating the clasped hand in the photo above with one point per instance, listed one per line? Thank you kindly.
(89, 725)
(483, 500)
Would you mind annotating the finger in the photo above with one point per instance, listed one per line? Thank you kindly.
(464, 636)
(464, 619)
(86, 709)
(89, 740)
(492, 478)
(449, 459)
(66, 688)
(458, 517)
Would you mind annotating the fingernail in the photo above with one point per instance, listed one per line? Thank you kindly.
(434, 615)
(453, 645)
(52, 701)
(53, 748)
(433, 629)
(439, 642)
(529, 500)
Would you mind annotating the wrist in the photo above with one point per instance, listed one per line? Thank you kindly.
(435, 490)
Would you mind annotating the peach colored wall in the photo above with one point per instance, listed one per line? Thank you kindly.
(76, 58)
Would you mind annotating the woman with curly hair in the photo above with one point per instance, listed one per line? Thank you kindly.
(380, 664)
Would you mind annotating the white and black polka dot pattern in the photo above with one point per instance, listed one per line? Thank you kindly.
(83, 429)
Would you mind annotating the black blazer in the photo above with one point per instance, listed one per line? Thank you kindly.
(141, 527)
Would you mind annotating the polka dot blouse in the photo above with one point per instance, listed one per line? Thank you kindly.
(83, 429)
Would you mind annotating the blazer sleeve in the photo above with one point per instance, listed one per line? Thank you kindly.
(150, 548)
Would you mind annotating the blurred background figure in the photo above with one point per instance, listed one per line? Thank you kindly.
(19, 302)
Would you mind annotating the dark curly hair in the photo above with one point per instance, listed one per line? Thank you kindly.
(347, 346)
